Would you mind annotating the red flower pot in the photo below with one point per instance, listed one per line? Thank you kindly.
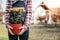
(16, 27)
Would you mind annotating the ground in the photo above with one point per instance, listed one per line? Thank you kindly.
(37, 32)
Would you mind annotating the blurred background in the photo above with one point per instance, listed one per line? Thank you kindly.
(45, 23)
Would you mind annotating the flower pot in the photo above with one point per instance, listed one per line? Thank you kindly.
(16, 27)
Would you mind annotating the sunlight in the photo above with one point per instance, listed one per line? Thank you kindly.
(40, 11)
(49, 3)
(3, 3)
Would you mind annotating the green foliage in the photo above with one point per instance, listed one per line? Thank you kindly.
(16, 17)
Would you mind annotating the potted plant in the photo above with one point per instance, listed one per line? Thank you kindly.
(17, 16)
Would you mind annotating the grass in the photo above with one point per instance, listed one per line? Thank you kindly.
(36, 33)
(3, 32)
